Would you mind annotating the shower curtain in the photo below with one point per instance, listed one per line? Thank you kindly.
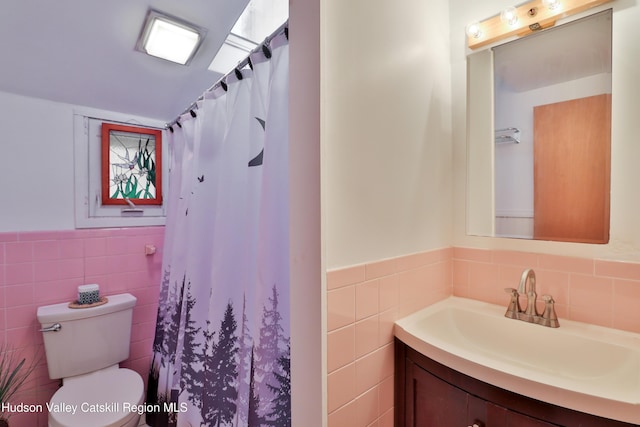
(221, 350)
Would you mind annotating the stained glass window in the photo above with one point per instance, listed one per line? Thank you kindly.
(131, 165)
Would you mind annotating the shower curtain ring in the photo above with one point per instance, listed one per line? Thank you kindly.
(266, 51)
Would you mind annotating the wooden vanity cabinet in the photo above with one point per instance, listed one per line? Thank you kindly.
(437, 403)
(429, 394)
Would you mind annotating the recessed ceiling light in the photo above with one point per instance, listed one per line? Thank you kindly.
(170, 38)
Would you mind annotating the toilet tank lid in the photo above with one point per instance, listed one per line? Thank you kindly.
(61, 312)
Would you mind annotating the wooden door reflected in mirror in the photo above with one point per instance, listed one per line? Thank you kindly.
(572, 164)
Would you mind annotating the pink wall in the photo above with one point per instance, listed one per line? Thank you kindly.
(601, 292)
(364, 301)
(362, 304)
(41, 268)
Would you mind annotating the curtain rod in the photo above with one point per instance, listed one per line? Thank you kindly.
(284, 28)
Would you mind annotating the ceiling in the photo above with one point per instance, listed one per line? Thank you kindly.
(578, 49)
(82, 52)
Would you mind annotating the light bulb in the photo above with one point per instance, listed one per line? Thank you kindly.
(509, 16)
(474, 31)
(551, 4)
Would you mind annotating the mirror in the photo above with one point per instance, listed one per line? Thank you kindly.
(539, 135)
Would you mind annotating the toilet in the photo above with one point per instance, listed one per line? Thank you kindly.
(83, 347)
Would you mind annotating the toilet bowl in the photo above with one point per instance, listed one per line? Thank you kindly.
(107, 398)
(83, 348)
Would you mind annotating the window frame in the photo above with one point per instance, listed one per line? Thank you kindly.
(89, 211)
(106, 129)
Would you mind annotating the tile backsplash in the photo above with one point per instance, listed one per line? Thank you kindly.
(42, 268)
(599, 292)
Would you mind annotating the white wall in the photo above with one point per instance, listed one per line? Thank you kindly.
(308, 349)
(625, 200)
(36, 164)
(37, 161)
(386, 159)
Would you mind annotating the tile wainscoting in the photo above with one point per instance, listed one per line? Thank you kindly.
(41, 268)
(363, 302)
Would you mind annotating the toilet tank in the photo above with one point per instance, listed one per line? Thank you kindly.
(89, 338)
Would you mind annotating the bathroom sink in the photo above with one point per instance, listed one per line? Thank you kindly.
(579, 366)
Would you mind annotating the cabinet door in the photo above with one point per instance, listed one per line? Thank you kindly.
(433, 402)
(514, 419)
(429, 394)
(487, 414)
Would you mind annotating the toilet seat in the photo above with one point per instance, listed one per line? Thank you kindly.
(105, 398)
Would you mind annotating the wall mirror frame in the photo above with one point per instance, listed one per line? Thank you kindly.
(539, 134)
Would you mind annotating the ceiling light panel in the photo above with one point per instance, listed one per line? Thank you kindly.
(170, 38)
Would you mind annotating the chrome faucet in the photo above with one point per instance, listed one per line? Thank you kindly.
(530, 313)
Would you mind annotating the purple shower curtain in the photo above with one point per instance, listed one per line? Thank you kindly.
(221, 351)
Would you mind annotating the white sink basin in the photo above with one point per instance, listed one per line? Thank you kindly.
(579, 366)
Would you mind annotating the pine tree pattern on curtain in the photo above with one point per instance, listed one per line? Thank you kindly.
(221, 354)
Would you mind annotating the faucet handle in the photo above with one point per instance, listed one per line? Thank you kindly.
(549, 317)
(514, 304)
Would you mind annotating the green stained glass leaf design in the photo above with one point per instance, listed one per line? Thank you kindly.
(133, 167)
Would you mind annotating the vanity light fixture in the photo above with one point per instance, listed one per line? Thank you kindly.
(509, 16)
(525, 19)
(169, 38)
(551, 4)
(473, 30)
